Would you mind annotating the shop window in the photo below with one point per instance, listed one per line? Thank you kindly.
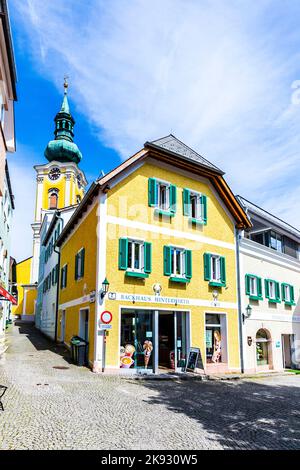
(79, 264)
(214, 270)
(195, 206)
(213, 338)
(135, 257)
(178, 264)
(253, 287)
(262, 347)
(272, 290)
(287, 294)
(162, 196)
(137, 340)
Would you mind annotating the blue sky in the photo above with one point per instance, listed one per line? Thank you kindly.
(219, 75)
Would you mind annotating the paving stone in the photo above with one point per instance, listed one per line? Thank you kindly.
(82, 410)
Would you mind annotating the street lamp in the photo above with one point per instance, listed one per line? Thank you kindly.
(105, 288)
(248, 313)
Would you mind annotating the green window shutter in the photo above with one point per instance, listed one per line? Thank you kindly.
(207, 270)
(66, 276)
(173, 198)
(167, 261)
(186, 202)
(57, 273)
(259, 287)
(53, 277)
(62, 278)
(223, 270)
(188, 264)
(152, 192)
(277, 290)
(247, 284)
(292, 294)
(283, 292)
(267, 290)
(147, 257)
(204, 208)
(82, 254)
(76, 266)
(123, 254)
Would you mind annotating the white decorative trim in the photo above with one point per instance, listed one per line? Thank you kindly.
(169, 232)
(74, 302)
(267, 316)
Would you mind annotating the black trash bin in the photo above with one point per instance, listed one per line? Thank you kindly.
(79, 350)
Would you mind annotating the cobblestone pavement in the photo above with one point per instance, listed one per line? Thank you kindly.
(72, 408)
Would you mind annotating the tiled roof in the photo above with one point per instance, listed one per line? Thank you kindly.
(171, 144)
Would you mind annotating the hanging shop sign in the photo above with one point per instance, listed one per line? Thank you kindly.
(106, 317)
(92, 296)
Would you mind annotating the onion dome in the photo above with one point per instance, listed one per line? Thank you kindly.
(62, 148)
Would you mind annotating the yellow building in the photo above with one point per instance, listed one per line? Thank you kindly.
(60, 184)
(161, 228)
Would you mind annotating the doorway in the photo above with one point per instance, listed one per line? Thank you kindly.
(84, 324)
(63, 326)
(166, 341)
(287, 341)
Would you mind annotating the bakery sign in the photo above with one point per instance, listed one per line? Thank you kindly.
(148, 299)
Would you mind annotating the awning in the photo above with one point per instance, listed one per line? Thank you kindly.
(4, 295)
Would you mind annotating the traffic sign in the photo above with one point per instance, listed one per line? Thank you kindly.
(106, 317)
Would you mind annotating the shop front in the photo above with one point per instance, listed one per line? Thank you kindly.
(154, 340)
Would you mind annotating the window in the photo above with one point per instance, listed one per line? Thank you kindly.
(287, 294)
(214, 270)
(135, 257)
(276, 241)
(178, 264)
(79, 264)
(253, 286)
(64, 275)
(162, 196)
(53, 200)
(195, 206)
(272, 290)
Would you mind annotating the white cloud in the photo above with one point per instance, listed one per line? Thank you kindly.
(218, 74)
(23, 180)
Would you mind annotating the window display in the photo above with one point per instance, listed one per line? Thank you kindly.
(213, 338)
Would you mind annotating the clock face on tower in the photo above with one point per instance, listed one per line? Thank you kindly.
(54, 173)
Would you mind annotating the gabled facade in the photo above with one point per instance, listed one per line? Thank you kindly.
(161, 228)
(270, 285)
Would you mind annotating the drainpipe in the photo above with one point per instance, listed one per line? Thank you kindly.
(237, 241)
(58, 287)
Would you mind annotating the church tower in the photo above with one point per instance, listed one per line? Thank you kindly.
(60, 182)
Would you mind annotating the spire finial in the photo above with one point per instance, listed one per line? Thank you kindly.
(66, 84)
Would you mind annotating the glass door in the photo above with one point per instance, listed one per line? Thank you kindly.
(137, 340)
(180, 339)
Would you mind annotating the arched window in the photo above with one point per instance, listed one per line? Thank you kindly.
(53, 198)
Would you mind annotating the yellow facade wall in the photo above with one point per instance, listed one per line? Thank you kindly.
(129, 199)
(23, 270)
(84, 237)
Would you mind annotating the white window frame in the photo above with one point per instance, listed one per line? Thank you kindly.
(254, 292)
(159, 203)
(199, 207)
(141, 243)
(218, 268)
(272, 286)
(182, 255)
(287, 293)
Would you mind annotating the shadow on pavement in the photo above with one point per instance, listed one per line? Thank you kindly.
(239, 415)
(41, 342)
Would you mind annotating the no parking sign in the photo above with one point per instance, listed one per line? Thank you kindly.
(106, 317)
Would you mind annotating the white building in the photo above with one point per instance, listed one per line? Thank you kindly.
(270, 288)
(52, 225)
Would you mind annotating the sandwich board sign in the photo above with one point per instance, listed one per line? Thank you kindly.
(194, 361)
